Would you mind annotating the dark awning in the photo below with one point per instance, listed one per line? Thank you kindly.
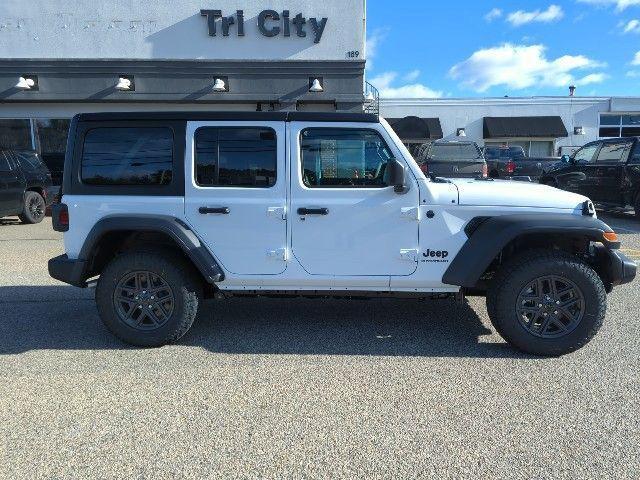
(415, 128)
(509, 127)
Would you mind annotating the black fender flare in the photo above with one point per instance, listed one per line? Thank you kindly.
(173, 227)
(487, 236)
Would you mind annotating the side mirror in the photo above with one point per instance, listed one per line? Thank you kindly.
(565, 158)
(397, 176)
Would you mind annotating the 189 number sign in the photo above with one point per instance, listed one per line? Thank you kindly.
(353, 54)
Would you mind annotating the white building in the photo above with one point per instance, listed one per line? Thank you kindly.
(542, 125)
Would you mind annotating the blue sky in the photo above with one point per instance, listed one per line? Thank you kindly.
(464, 48)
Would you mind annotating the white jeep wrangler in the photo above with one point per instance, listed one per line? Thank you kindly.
(168, 208)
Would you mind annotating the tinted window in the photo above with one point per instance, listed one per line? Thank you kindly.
(610, 132)
(610, 119)
(493, 153)
(586, 153)
(236, 157)
(127, 156)
(15, 134)
(446, 152)
(635, 154)
(343, 158)
(612, 151)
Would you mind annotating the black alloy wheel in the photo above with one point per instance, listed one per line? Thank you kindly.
(143, 300)
(550, 306)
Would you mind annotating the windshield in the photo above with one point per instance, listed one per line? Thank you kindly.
(29, 161)
(492, 153)
(454, 152)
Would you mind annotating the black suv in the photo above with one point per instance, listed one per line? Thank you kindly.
(607, 171)
(25, 186)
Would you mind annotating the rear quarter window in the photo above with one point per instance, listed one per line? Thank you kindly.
(127, 156)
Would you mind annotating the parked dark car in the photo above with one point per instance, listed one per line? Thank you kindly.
(453, 159)
(607, 171)
(25, 186)
(512, 162)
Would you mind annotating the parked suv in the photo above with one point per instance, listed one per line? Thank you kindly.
(25, 186)
(608, 171)
(511, 162)
(453, 159)
(164, 209)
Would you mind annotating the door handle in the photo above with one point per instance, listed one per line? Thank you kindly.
(313, 211)
(210, 210)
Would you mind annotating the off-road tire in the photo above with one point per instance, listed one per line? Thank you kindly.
(175, 271)
(34, 208)
(517, 273)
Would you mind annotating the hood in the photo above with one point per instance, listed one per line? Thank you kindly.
(509, 193)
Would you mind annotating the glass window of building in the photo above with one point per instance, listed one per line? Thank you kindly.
(616, 125)
(51, 134)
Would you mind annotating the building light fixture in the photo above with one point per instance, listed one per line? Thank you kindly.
(125, 84)
(27, 83)
(579, 131)
(461, 132)
(220, 85)
(315, 85)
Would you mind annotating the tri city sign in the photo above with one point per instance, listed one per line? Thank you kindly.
(270, 24)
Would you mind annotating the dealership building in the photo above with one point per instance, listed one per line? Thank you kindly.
(72, 56)
(543, 126)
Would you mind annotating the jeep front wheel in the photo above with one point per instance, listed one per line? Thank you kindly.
(547, 302)
(148, 299)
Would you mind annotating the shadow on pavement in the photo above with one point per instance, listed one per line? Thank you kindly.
(65, 318)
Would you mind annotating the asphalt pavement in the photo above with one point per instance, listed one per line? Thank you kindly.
(269, 388)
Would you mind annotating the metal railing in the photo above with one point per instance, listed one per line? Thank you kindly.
(371, 99)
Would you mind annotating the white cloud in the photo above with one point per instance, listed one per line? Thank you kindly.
(551, 14)
(412, 76)
(522, 66)
(632, 26)
(492, 14)
(591, 79)
(385, 84)
(619, 4)
(636, 59)
(633, 74)
(373, 42)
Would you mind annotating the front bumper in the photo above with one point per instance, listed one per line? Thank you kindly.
(68, 271)
(615, 266)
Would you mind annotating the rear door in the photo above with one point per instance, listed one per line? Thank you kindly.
(235, 193)
(11, 185)
(346, 220)
(608, 170)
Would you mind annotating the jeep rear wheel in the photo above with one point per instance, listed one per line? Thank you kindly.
(547, 303)
(34, 208)
(148, 299)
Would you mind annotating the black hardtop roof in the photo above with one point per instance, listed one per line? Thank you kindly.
(231, 116)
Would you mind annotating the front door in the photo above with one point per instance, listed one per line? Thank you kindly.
(235, 193)
(11, 186)
(346, 220)
(579, 176)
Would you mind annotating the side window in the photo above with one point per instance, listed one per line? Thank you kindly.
(634, 158)
(4, 163)
(340, 157)
(127, 156)
(236, 157)
(586, 153)
(612, 152)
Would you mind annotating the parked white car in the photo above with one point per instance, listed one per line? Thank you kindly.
(167, 208)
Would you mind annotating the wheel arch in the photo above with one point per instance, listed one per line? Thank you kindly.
(117, 233)
(490, 239)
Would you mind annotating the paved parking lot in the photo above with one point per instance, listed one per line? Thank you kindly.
(305, 388)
